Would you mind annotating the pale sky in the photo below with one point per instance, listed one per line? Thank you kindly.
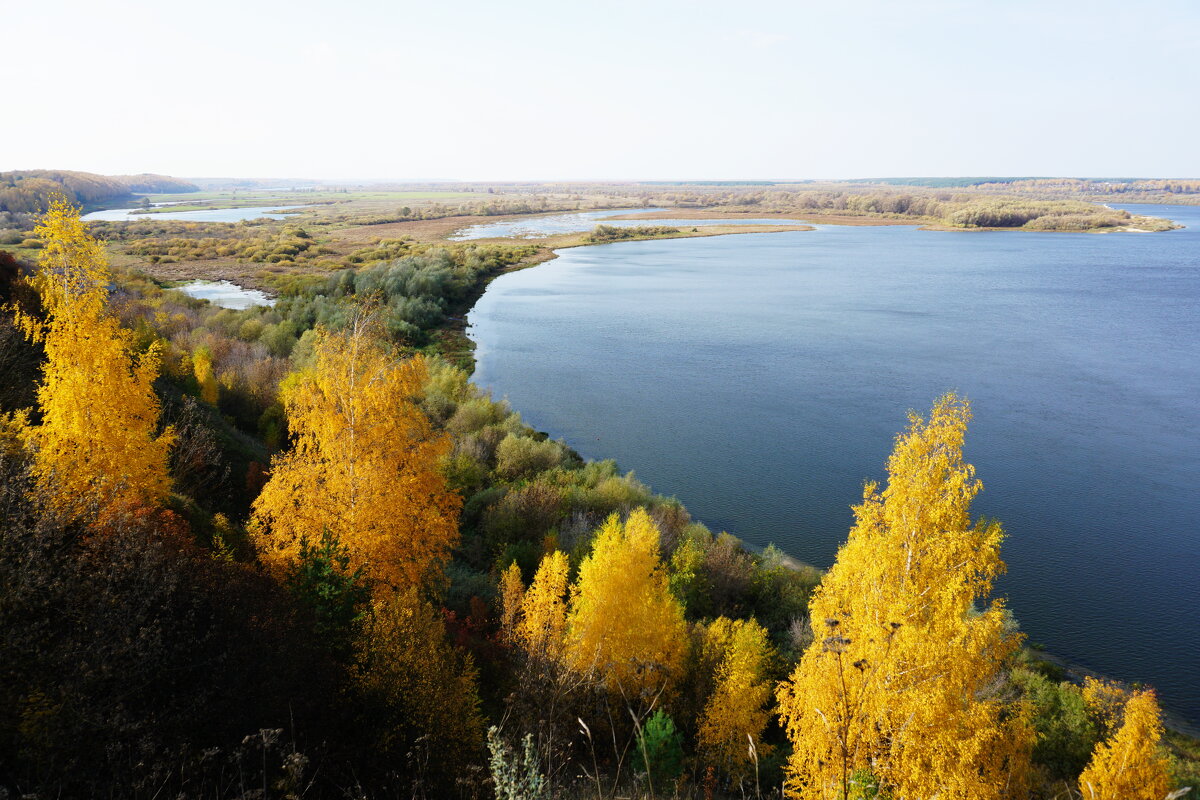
(533, 90)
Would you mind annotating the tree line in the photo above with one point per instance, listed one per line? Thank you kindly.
(33, 190)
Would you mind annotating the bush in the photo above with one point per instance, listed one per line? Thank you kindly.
(520, 456)
(515, 775)
(659, 751)
(1066, 734)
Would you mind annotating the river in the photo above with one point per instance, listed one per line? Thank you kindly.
(201, 215)
(761, 379)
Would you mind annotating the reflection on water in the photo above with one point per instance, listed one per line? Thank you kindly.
(226, 294)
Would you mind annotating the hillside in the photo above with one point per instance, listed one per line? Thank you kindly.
(31, 190)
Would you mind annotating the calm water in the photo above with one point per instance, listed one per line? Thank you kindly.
(205, 215)
(226, 294)
(761, 378)
(534, 227)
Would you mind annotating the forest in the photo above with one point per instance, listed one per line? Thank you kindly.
(32, 190)
(293, 551)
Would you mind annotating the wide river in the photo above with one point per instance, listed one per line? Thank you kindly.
(760, 378)
(199, 215)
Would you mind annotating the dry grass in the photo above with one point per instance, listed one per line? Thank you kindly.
(423, 230)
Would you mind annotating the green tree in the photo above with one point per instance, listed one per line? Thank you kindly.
(335, 594)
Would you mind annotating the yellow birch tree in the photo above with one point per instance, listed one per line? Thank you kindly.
(900, 681)
(624, 622)
(737, 712)
(542, 627)
(207, 381)
(363, 465)
(512, 592)
(1130, 765)
(97, 448)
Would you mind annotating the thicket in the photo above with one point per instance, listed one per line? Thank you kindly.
(291, 245)
(615, 233)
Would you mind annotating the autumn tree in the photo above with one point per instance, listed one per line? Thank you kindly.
(900, 681)
(205, 379)
(624, 622)
(731, 726)
(419, 693)
(363, 465)
(1129, 765)
(535, 622)
(542, 626)
(512, 592)
(97, 447)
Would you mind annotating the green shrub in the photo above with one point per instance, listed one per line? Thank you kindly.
(520, 456)
(516, 776)
(1066, 734)
(659, 752)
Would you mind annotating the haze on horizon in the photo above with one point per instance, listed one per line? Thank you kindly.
(538, 90)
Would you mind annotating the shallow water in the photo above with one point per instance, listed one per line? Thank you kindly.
(205, 215)
(761, 378)
(226, 294)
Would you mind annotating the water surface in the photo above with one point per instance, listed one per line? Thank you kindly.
(761, 378)
(203, 215)
(226, 294)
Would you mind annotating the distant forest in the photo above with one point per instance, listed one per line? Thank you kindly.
(31, 190)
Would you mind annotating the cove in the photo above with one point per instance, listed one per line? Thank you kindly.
(761, 379)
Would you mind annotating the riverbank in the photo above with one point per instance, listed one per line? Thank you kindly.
(453, 343)
(909, 273)
(1050, 663)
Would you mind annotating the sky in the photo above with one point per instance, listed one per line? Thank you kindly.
(561, 90)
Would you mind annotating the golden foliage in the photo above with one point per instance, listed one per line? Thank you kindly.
(364, 465)
(203, 370)
(424, 690)
(1130, 765)
(1104, 701)
(512, 592)
(543, 621)
(623, 621)
(96, 447)
(901, 677)
(737, 712)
